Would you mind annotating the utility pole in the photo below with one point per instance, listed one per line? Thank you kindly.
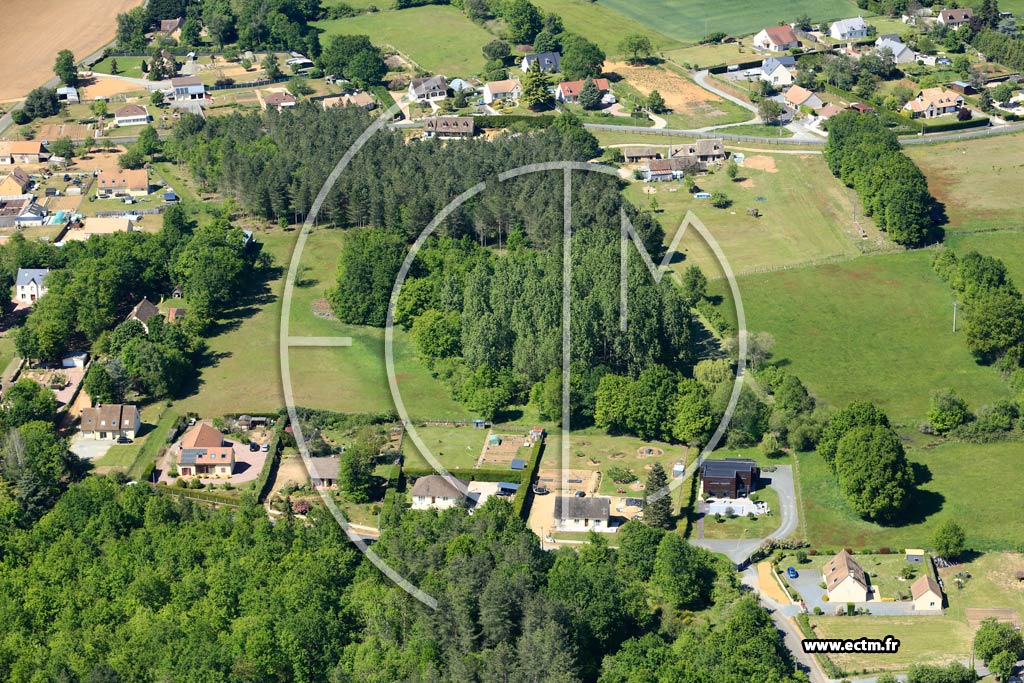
(954, 316)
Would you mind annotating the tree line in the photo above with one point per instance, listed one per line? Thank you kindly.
(147, 587)
(867, 157)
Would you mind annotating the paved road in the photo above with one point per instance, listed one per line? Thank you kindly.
(740, 550)
(701, 79)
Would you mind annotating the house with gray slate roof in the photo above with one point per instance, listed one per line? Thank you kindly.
(30, 284)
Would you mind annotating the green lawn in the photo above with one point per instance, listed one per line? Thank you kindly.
(1007, 246)
(602, 25)
(710, 54)
(7, 351)
(744, 527)
(438, 38)
(457, 448)
(353, 379)
(993, 583)
(969, 178)
(878, 328)
(935, 640)
(691, 20)
(884, 572)
(805, 216)
(760, 130)
(960, 483)
(126, 66)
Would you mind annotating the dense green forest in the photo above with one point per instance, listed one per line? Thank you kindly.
(118, 583)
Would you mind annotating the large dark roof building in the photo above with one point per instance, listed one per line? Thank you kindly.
(729, 477)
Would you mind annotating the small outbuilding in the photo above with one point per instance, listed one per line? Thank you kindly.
(927, 594)
(914, 555)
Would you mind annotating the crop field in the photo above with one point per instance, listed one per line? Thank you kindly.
(81, 27)
(956, 481)
(691, 20)
(602, 25)
(969, 179)
(805, 214)
(877, 328)
(438, 38)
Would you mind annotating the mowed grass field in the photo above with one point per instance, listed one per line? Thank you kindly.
(689, 20)
(1007, 246)
(438, 38)
(353, 379)
(967, 482)
(806, 215)
(970, 179)
(877, 328)
(603, 25)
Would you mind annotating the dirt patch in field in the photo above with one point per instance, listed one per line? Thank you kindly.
(746, 182)
(108, 87)
(680, 94)
(291, 470)
(761, 163)
(976, 615)
(34, 31)
(100, 161)
(75, 131)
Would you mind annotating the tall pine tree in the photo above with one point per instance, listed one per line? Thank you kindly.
(657, 513)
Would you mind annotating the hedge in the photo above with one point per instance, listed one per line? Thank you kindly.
(210, 496)
(955, 125)
(511, 476)
(508, 120)
(525, 491)
(262, 483)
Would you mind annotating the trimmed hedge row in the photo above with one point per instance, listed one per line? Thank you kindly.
(273, 457)
(211, 496)
(507, 120)
(525, 491)
(955, 125)
(511, 476)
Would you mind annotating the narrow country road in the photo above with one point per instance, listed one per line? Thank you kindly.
(701, 79)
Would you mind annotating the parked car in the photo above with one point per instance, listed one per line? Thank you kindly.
(791, 572)
(581, 494)
(265, 448)
(253, 447)
(123, 439)
(540, 491)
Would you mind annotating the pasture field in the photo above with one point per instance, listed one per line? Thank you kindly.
(805, 215)
(957, 480)
(602, 25)
(711, 54)
(993, 584)
(761, 130)
(438, 38)
(878, 328)
(691, 20)
(82, 27)
(126, 66)
(352, 379)
(1007, 246)
(935, 640)
(969, 179)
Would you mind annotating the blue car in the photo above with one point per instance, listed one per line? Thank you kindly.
(791, 572)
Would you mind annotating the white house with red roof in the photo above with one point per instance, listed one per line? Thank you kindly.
(570, 90)
(776, 38)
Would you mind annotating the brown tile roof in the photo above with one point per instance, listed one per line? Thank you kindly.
(940, 97)
(923, 585)
(449, 124)
(573, 88)
(781, 35)
(185, 80)
(964, 14)
(798, 95)
(324, 468)
(130, 110)
(144, 311)
(840, 567)
(25, 147)
(137, 179)
(203, 435)
(436, 486)
(109, 416)
(506, 86)
(829, 110)
(20, 177)
(276, 99)
(175, 314)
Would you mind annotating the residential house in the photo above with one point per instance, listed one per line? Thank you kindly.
(548, 61)
(570, 90)
(131, 115)
(775, 71)
(706, 151)
(18, 211)
(955, 18)
(324, 472)
(204, 452)
(901, 54)
(14, 183)
(437, 492)
(660, 170)
(634, 154)
(359, 99)
(429, 89)
(802, 97)
(828, 111)
(510, 89)
(926, 594)
(110, 421)
(575, 513)
(25, 152)
(279, 100)
(123, 183)
(729, 477)
(187, 88)
(932, 102)
(67, 95)
(848, 29)
(449, 127)
(776, 39)
(144, 311)
(30, 284)
(169, 26)
(845, 580)
(861, 108)
(99, 226)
